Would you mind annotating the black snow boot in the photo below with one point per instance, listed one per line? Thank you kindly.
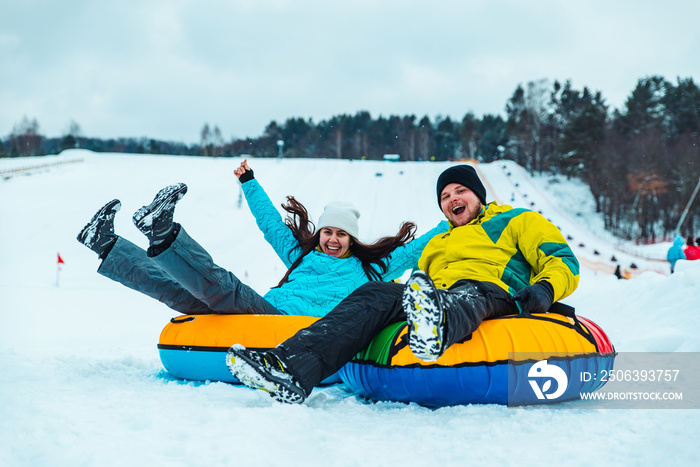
(264, 371)
(426, 317)
(98, 234)
(155, 221)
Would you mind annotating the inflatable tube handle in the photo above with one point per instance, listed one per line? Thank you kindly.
(182, 320)
(563, 309)
(566, 310)
(570, 312)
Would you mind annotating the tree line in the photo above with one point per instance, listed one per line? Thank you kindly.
(641, 162)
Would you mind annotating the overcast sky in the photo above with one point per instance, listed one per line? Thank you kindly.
(164, 68)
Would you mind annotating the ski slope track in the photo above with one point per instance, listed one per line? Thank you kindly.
(596, 250)
(82, 382)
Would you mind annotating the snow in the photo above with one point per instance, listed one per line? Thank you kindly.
(82, 383)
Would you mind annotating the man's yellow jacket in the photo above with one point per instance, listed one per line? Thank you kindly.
(512, 248)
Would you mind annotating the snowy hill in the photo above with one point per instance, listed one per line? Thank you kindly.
(82, 384)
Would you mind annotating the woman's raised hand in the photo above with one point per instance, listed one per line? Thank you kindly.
(241, 169)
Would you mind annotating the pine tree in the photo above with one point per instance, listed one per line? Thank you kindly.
(491, 134)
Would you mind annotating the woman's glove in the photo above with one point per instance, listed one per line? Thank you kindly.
(246, 176)
(535, 298)
(244, 172)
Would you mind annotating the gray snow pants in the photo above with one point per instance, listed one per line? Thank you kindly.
(183, 277)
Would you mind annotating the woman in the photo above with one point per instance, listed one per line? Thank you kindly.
(324, 266)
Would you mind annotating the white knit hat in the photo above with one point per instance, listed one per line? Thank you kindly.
(340, 215)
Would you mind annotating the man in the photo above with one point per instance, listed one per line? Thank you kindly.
(493, 261)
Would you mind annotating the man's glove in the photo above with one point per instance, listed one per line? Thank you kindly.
(536, 298)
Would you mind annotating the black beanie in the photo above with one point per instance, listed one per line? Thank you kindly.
(464, 175)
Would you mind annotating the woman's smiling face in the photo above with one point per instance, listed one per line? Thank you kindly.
(459, 204)
(335, 242)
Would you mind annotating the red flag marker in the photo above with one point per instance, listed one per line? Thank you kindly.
(59, 262)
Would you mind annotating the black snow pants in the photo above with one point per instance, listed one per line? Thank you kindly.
(316, 352)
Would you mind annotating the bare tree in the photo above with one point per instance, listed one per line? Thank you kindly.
(468, 135)
(70, 137)
(205, 144)
(528, 112)
(337, 142)
(217, 142)
(25, 139)
(536, 100)
(425, 137)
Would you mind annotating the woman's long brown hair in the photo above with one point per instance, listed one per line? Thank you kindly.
(372, 256)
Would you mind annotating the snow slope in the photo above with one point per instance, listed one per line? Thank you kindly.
(82, 384)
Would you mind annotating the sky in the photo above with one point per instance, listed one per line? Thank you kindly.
(164, 68)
